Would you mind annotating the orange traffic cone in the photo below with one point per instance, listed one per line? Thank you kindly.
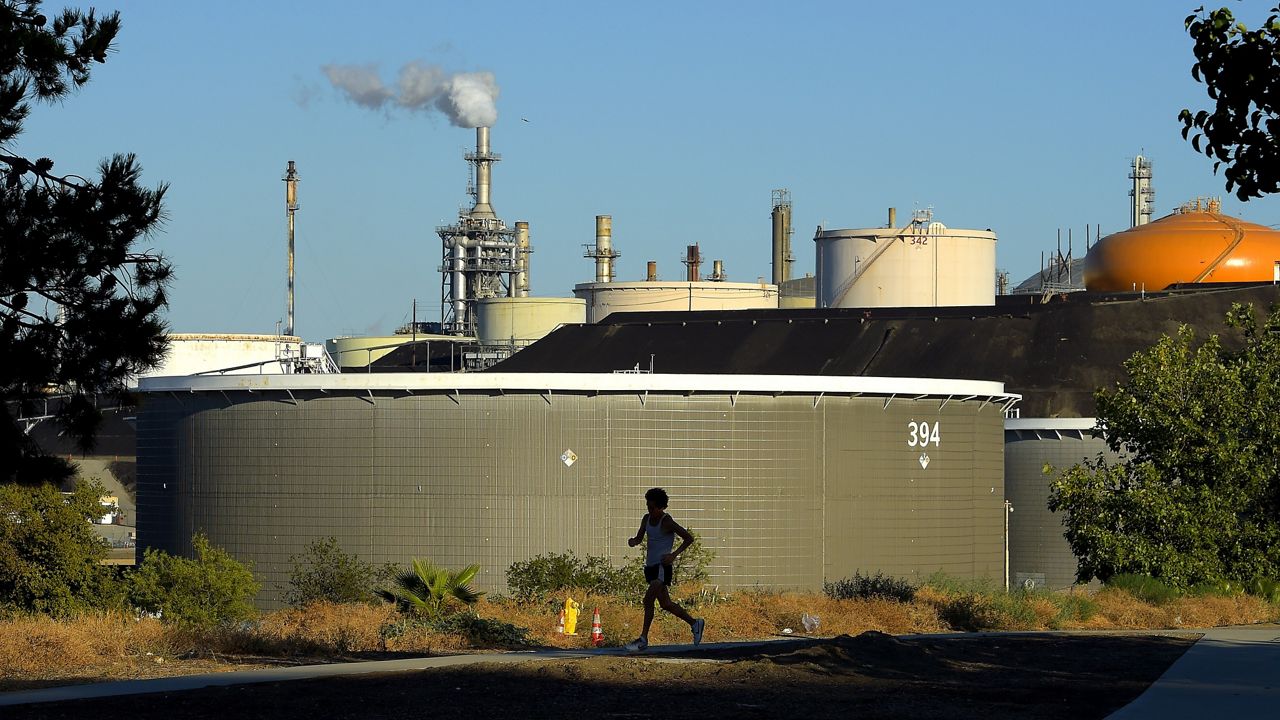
(560, 626)
(597, 635)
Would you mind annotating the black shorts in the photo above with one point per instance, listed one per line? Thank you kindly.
(659, 572)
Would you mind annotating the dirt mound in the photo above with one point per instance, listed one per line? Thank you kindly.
(870, 652)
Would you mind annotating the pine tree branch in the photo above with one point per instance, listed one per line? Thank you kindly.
(23, 165)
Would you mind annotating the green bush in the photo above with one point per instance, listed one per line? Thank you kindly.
(949, 585)
(1216, 588)
(209, 591)
(50, 558)
(1264, 588)
(1073, 607)
(1143, 587)
(542, 575)
(484, 632)
(867, 587)
(326, 573)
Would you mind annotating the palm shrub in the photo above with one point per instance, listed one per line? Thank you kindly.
(429, 591)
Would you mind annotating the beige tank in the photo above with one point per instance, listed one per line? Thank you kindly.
(522, 320)
(361, 351)
(922, 265)
(606, 298)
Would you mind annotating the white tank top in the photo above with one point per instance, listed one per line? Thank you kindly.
(660, 541)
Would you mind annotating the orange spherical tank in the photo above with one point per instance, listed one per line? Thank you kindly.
(1195, 244)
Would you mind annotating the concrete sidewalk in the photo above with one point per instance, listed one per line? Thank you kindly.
(1230, 672)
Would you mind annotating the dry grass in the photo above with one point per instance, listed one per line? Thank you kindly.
(38, 650)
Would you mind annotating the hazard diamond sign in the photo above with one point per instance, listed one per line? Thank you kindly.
(569, 458)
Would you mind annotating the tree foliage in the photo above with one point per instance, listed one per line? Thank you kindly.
(429, 591)
(1241, 72)
(49, 555)
(326, 573)
(78, 303)
(1197, 497)
(212, 589)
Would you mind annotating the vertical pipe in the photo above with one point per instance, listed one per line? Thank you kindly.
(604, 248)
(482, 170)
(522, 260)
(717, 270)
(779, 243)
(652, 275)
(787, 257)
(893, 217)
(458, 284)
(693, 259)
(291, 207)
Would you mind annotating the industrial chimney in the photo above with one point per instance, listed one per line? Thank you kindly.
(290, 208)
(603, 251)
(692, 261)
(521, 286)
(782, 257)
(652, 275)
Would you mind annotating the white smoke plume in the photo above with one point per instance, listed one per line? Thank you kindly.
(467, 99)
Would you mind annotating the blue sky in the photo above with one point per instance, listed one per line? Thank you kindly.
(677, 119)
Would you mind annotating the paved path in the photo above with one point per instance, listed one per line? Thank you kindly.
(1231, 672)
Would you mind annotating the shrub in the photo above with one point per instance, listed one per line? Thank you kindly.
(1215, 588)
(49, 554)
(1264, 588)
(428, 591)
(211, 590)
(867, 587)
(483, 631)
(542, 575)
(1073, 607)
(324, 573)
(1143, 587)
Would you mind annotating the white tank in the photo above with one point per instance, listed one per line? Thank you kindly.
(522, 320)
(921, 265)
(232, 354)
(358, 351)
(606, 298)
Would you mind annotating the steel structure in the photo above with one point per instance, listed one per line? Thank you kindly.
(1142, 195)
(481, 256)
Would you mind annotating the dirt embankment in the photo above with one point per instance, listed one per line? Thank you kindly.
(872, 675)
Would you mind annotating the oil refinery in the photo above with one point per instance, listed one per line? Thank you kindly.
(889, 411)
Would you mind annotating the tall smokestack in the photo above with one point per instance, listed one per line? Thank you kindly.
(521, 285)
(483, 160)
(717, 270)
(652, 275)
(693, 260)
(290, 208)
(893, 218)
(604, 248)
(782, 257)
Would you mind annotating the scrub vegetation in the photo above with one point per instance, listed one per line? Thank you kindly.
(37, 649)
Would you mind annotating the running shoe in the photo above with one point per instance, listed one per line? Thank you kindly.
(698, 626)
(638, 644)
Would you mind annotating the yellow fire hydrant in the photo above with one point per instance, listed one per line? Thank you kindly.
(571, 609)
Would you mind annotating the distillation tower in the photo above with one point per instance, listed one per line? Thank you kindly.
(482, 257)
(1142, 194)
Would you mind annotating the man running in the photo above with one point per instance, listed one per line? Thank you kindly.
(661, 531)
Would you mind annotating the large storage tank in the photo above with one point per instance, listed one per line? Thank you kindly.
(1038, 553)
(519, 321)
(791, 480)
(230, 353)
(360, 351)
(925, 264)
(604, 298)
(1195, 244)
